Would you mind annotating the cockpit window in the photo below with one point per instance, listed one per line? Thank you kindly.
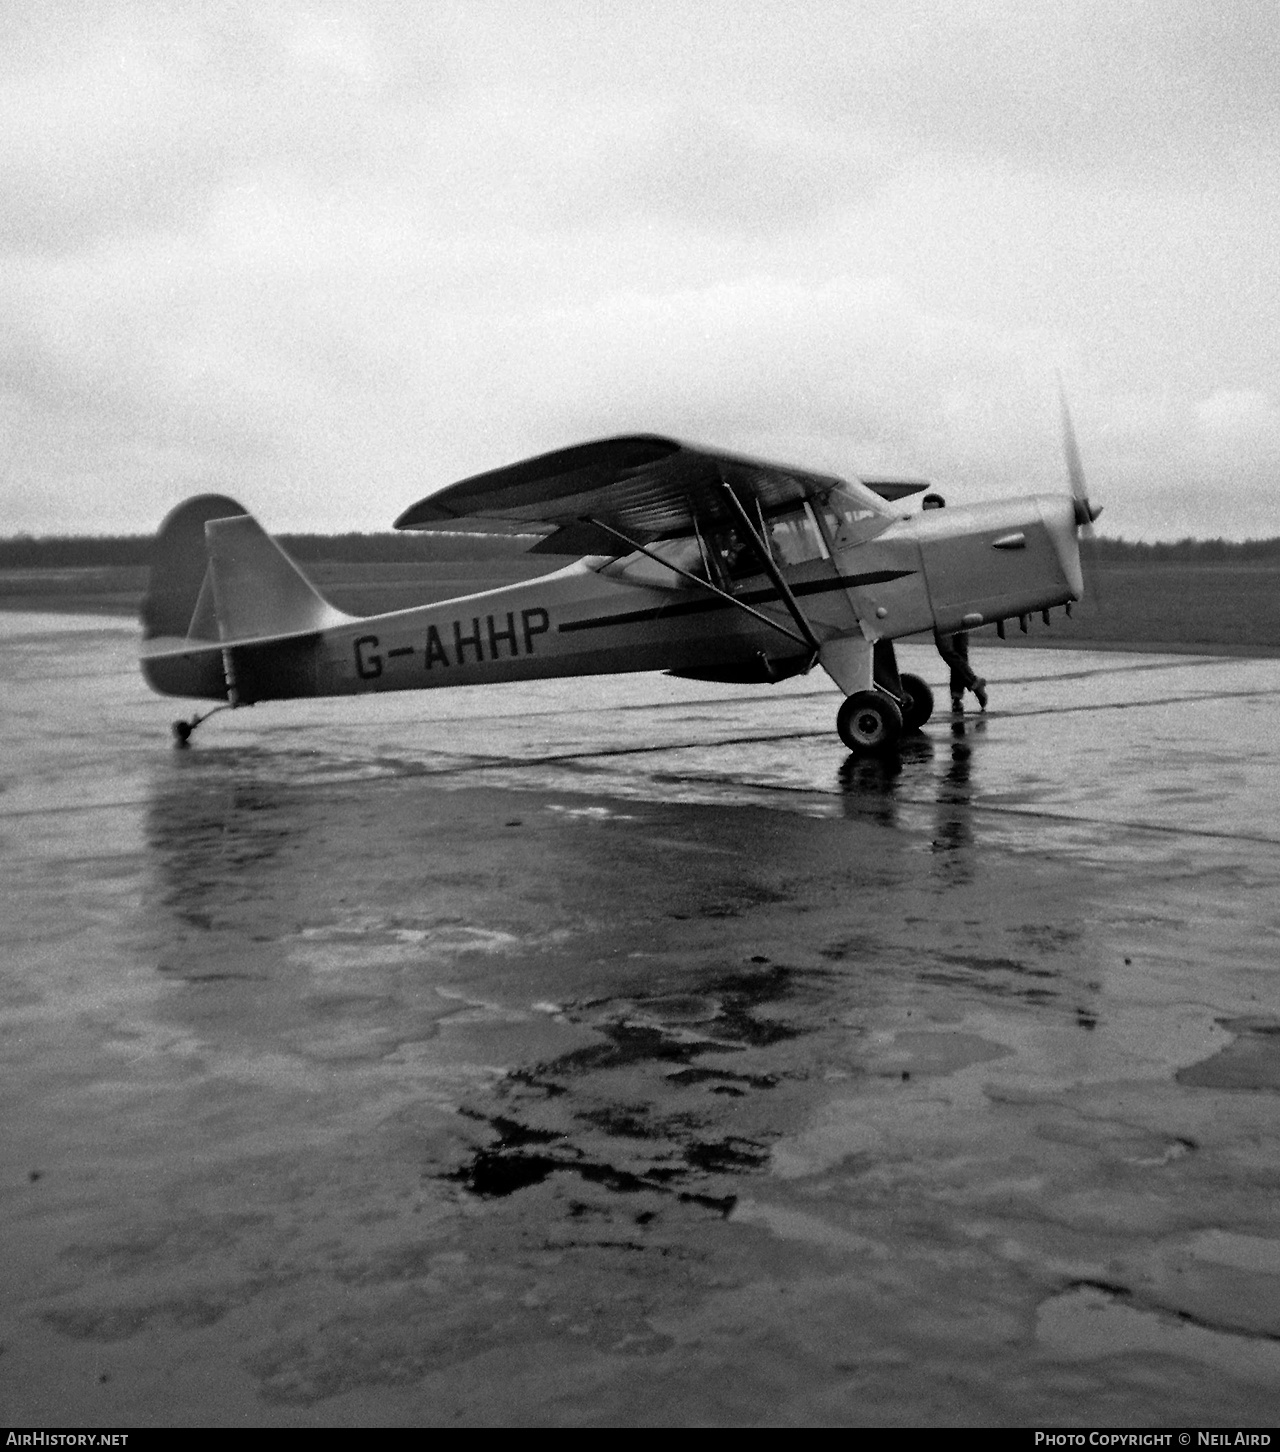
(726, 556)
(854, 513)
(733, 556)
(641, 569)
(795, 537)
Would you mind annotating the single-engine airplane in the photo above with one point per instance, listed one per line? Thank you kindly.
(686, 559)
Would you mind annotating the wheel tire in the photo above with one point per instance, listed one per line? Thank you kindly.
(919, 705)
(869, 722)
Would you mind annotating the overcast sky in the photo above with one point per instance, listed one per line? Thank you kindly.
(330, 257)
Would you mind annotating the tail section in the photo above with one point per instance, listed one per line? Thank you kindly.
(219, 581)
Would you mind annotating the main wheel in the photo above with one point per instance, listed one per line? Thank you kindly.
(919, 706)
(868, 721)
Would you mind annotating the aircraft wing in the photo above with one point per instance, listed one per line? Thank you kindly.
(643, 485)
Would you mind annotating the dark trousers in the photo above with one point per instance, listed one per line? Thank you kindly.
(954, 649)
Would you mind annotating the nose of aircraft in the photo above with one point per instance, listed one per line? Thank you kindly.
(1002, 558)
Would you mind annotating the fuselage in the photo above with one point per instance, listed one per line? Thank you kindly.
(946, 569)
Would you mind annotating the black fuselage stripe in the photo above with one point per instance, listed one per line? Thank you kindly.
(755, 597)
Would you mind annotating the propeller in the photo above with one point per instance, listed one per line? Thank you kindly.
(1086, 512)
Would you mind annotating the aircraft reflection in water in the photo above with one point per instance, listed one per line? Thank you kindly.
(355, 931)
(688, 560)
(340, 919)
(221, 833)
(875, 787)
(955, 793)
(938, 776)
(323, 921)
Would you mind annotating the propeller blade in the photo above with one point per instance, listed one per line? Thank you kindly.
(1086, 513)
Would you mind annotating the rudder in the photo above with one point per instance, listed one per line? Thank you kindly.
(179, 563)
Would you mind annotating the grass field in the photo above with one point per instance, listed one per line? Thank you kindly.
(1169, 606)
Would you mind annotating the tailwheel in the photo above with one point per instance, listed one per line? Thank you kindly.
(918, 706)
(868, 721)
(182, 729)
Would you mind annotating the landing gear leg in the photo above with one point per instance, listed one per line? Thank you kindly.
(870, 719)
(918, 705)
(182, 730)
(913, 696)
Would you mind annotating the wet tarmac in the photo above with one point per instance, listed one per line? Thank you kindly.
(620, 1051)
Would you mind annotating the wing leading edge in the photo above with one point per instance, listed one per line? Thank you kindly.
(646, 486)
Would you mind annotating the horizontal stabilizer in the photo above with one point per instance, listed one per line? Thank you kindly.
(258, 591)
(173, 647)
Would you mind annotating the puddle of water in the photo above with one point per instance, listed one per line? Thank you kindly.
(1242, 1252)
(797, 1225)
(1250, 1061)
(360, 942)
(1089, 1323)
(602, 1112)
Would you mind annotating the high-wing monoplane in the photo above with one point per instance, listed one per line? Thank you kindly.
(685, 559)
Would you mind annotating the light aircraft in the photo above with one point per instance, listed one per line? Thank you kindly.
(686, 559)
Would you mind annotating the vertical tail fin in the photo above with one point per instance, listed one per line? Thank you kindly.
(257, 588)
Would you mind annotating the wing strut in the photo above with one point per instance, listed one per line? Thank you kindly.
(771, 568)
(806, 639)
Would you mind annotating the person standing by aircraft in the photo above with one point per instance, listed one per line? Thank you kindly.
(953, 647)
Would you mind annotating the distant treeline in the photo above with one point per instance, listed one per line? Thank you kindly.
(23, 552)
(1189, 552)
(53, 552)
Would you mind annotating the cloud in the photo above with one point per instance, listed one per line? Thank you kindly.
(1242, 413)
(131, 125)
(333, 256)
(746, 172)
(1074, 87)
